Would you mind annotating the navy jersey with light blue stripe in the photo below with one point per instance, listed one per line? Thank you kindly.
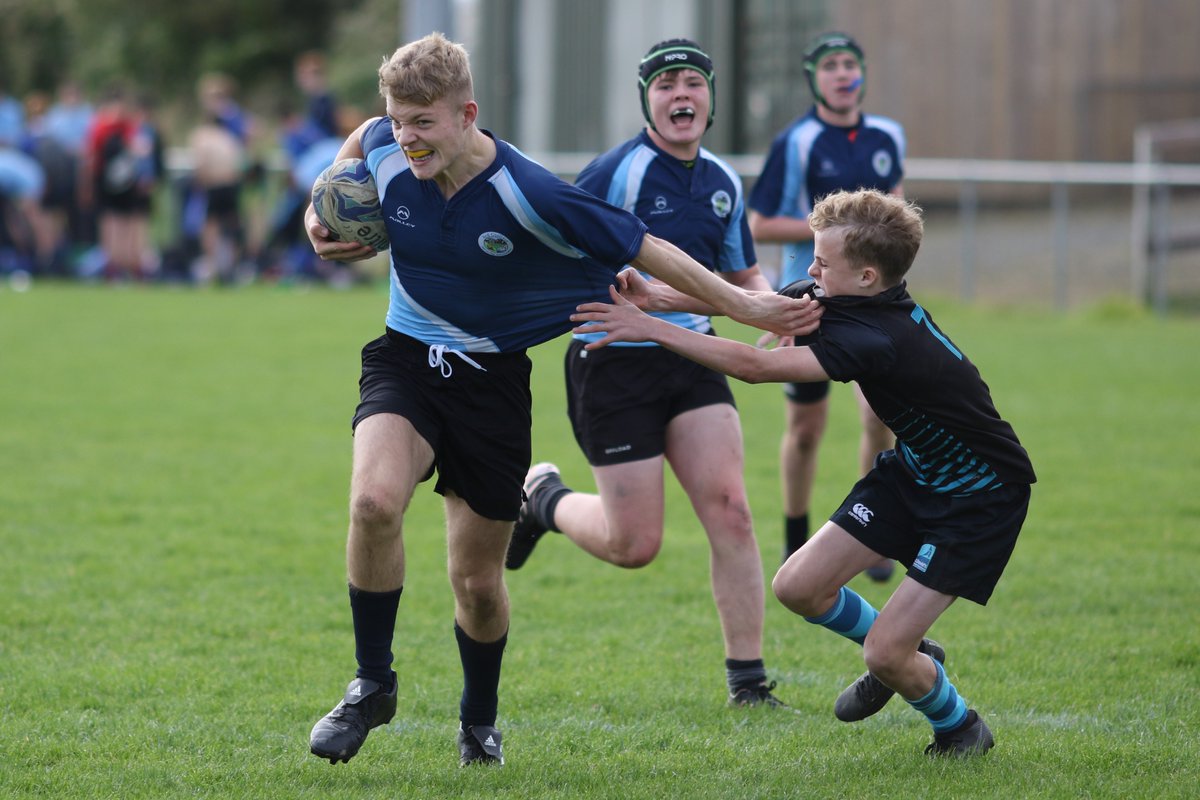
(700, 209)
(949, 435)
(502, 264)
(810, 159)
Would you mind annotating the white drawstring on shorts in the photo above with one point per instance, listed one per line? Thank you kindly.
(437, 359)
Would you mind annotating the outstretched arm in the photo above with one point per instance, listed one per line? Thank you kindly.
(658, 296)
(624, 322)
(767, 310)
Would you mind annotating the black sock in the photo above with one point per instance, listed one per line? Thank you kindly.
(481, 678)
(744, 674)
(546, 499)
(374, 616)
(795, 533)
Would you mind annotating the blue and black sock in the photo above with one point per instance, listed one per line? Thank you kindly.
(374, 615)
(944, 709)
(481, 678)
(851, 616)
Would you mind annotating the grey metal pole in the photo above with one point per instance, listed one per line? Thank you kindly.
(1062, 245)
(968, 211)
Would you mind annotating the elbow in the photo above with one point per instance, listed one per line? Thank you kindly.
(751, 374)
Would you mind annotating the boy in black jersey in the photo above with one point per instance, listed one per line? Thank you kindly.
(949, 500)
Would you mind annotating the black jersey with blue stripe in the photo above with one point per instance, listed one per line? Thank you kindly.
(949, 435)
(501, 265)
(699, 208)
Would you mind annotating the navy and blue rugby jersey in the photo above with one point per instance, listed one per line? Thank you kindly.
(700, 209)
(810, 159)
(949, 435)
(501, 265)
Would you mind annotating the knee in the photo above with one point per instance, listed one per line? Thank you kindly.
(739, 521)
(729, 522)
(634, 552)
(371, 513)
(630, 544)
(803, 435)
(481, 594)
(796, 594)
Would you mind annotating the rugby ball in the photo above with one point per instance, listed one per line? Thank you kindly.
(347, 203)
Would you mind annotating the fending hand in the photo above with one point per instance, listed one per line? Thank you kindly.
(620, 321)
(787, 316)
(634, 287)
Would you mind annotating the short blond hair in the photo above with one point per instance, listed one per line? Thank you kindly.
(427, 70)
(882, 230)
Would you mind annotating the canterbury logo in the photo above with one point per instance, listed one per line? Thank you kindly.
(862, 513)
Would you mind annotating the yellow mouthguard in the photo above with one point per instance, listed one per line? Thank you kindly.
(419, 153)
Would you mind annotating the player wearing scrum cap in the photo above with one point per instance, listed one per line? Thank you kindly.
(636, 407)
(835, 145)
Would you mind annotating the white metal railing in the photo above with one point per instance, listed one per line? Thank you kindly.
(1150, 239)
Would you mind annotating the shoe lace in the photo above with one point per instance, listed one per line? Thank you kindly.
(870, 689)
(352, 716)
(751, 695)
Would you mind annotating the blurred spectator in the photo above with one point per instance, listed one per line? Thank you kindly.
(320, 113)
(69, 118)
(122, 166)
(212, 211)
(150, 169)
(22, 182)
(67, 122)
(310, 142)
(305, 139)
(58, 198)
(12, 117)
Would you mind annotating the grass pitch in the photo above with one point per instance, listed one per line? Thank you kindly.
(172, 520)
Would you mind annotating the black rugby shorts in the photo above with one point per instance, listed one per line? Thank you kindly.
(621, 399)
(477, 422)
(954, 544)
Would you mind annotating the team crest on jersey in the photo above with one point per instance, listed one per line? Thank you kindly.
(495, 244)
(722, 204)
(882, 162)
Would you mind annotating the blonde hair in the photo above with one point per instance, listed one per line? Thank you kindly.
(427, 70)
(879, 229)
